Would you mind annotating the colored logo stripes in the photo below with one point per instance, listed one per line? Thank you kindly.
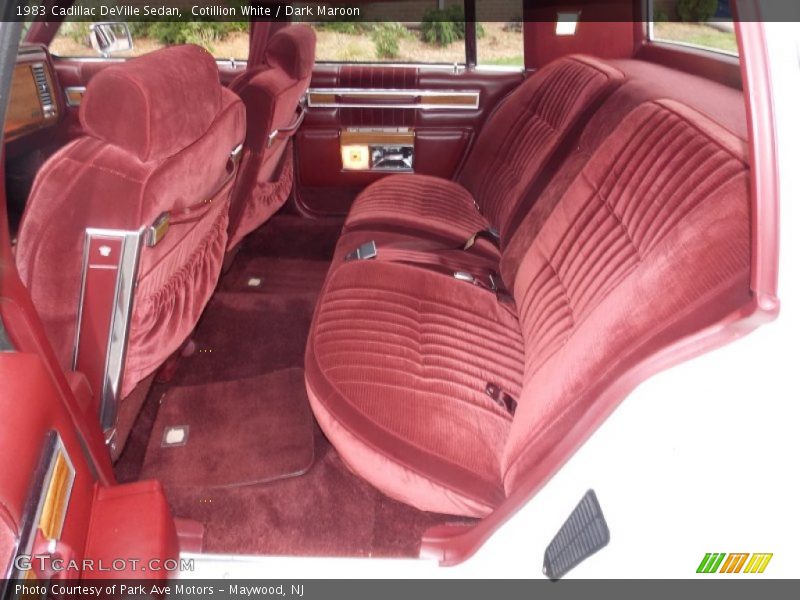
(719, 562)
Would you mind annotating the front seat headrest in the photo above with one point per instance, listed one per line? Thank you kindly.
(155, 105)
(292, 50)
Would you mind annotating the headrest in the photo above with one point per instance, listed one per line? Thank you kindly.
(292, 50)
(155, 105)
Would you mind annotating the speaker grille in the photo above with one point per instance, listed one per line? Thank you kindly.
(43, 88)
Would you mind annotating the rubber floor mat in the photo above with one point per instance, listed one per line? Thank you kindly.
(232, 433)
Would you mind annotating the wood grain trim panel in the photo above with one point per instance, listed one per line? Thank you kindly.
(389, 138)
(25, 112)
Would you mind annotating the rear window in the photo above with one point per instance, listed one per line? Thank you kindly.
(421, 32)
(394, 32)
(499, 33)
(704, 24)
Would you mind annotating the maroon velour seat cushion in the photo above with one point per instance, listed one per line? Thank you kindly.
(396, 370)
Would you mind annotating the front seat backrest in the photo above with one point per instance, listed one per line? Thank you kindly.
(271, 92)
(160, 130)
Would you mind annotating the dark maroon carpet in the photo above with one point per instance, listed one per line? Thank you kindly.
(251, 337)
(263, 418)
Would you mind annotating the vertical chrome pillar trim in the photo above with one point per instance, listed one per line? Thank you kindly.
(122, 311)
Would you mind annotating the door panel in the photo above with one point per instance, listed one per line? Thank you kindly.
(438, 151)
(443, 134)
(39, 419)
(74, 74)
(55, 473)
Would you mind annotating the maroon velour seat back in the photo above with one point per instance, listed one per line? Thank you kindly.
(650, 243)
(522, 136)
(271, 93)
(160, 131)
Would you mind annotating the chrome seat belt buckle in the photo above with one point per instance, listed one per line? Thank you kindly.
(365, 251)
(236, 155)
(156, 232)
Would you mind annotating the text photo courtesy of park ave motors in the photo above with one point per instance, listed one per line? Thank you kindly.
(157, 590)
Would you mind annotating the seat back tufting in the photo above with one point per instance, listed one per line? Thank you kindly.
(520, 138)
(649, 243)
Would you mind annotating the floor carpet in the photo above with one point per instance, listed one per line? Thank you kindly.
(250, 346)
(264, 418)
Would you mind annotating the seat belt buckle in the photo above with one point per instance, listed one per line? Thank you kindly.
(489, 284)
(499, 288)
(365, 251)
(501, 398)
(235, 157)
(156, 232)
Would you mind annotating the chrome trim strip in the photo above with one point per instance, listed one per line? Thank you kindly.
(76, 89)
(232, 63)
(81, 297)
(300, 111)
(220, 61)
(89, 58)
(499, 68)
(412, 94)
(127, 271)
(34, 503)
(120, 325)
(453, 67)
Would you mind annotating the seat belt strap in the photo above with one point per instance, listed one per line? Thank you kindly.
(159, 228)
(485, 278)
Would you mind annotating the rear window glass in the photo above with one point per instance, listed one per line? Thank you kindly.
(396, 32)
(704, 24)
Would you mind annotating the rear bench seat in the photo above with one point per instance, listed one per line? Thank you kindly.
(521, 144)
(444, 394)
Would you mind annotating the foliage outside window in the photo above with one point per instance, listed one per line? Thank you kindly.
(404, 32)
(418, 31)
(223, 39)
(422, 31)
(705, 24)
